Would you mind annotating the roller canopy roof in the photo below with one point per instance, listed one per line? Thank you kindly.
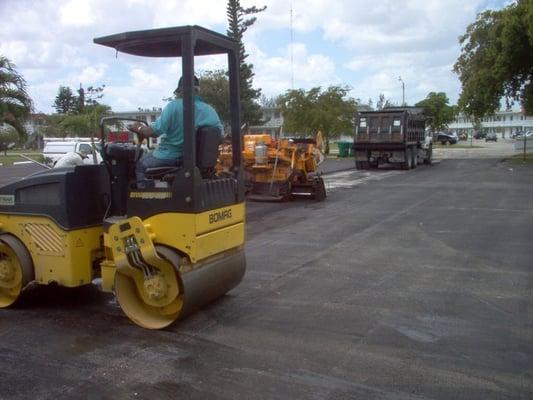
(166, 42)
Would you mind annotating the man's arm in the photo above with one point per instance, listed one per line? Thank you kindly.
(142, 130)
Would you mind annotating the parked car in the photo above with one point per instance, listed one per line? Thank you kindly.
(54, 150)
(491, 137)
(520, 135)
(447, 138)
(479, 135)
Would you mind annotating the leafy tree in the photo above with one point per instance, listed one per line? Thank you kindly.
(271, 102)
(15, 103)
(89, 97)
(52, 128)
(65, 101)
(436, 108)
(9, 138)
(215, 91)
(329, 111)
(497, 60)
(383, 102)
(85, 124)
(75, 125)
(238, 24)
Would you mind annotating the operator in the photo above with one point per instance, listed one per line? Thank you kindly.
(169, 128)
(72, 158)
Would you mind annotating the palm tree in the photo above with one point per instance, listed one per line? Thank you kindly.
(15, 103)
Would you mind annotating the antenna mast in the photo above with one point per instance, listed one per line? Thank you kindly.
(292, 53)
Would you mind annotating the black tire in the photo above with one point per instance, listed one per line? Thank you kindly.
(320, 190)
(429, 159)
(20, 259)
(358, 165)
(414, 158)
(406, 165)
(24, 256)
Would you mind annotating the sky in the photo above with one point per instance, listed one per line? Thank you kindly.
(366, 45)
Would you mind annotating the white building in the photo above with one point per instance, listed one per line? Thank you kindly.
(503, 123)
(144, 114)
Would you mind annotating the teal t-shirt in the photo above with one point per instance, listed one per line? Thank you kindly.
(169, 126)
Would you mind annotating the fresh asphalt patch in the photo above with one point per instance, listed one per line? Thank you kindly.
(400, 285)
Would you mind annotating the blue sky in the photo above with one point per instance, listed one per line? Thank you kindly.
(364, 44)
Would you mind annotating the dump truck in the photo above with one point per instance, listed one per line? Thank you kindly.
(394, 136)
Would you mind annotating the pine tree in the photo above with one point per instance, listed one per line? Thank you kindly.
(238, 24)
(65, 101)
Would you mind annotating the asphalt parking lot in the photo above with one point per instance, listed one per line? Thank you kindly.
(401, 285)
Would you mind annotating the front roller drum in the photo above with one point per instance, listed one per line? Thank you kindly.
(200, 286)
(197, 287)
(152, 303)
(16, 269)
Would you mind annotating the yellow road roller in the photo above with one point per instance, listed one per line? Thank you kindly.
(165, 247)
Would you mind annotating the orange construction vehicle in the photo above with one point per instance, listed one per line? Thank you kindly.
(277, 169)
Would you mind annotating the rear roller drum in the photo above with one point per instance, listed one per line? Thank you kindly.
(16, 269)
(151, 302)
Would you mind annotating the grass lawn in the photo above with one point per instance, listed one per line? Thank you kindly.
(11, 158)
(518, 159)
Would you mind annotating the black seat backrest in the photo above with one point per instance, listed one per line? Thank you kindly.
(208, 139)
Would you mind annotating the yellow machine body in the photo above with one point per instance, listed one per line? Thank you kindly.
(199, 237)
(63, 257)
(166, 242)
(204, 258)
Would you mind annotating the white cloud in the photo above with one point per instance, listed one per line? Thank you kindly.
(76, 13)
(275, 74)
(361, 43)
(93, 74)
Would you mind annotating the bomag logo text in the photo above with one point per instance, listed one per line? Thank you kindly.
(219, 216)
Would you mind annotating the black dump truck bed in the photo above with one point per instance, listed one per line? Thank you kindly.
(394, 126)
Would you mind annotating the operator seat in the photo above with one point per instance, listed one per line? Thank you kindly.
(208, 139)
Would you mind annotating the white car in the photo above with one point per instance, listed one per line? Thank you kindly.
(54, 150)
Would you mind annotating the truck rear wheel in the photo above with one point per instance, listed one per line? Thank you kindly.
(407, 164)
(429, 159)
(414, 158)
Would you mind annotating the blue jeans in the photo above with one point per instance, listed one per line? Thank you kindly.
(149, 161)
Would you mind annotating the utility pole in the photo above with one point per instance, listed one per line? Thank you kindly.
(292, 54)
(403, 90)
